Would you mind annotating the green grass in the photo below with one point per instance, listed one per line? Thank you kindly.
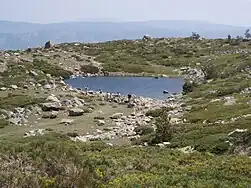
(13, 101)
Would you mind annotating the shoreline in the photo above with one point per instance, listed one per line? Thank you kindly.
(123, 74)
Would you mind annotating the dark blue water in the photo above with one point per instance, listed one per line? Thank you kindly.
(140, 86)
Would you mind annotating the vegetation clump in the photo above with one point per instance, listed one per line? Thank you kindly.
(89, 69)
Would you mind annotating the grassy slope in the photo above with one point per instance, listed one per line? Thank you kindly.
(61, 163)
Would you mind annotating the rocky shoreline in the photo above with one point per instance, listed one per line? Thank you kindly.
(121, 74)
(121, 125)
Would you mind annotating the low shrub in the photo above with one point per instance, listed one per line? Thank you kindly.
(89, 69)
(143, 130)
(188, 87)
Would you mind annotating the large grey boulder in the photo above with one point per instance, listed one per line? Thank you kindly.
(76, 112)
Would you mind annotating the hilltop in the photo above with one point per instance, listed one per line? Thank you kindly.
(19, 35)
(74, 138)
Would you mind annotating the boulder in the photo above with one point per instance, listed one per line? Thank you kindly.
(47, 86)
(131, 105)
(100, 122)
(76, 112)
(3, 67)
(50, 115)
(53, 106)
(52, 99)
(229, 101)
(13, 86)
(147, 37)
(48, 44)
(66, 121)
(116, 116)
(33, 73)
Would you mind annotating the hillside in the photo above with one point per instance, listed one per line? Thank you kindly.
(18, 35)
(55, 136)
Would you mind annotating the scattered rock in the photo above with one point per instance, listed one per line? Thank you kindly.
(116, 116)
(76, 112)
(229, 101)
(131, 105)
(54, 106)
(237, 131)
(33, 73)
(52, 98)
(187, 149)
(36, 132)
(50, 115)
(100, 122)
(67, 121)
(3, 67)
(13, 86)
(47, 86)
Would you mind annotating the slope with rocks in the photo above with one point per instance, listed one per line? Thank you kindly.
(196, 139)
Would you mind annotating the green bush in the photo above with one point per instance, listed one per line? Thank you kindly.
(210, 71)
(164, 130)
(89, 69)
(188, 87)
(3, 123)
(51, 69)
(143, 130)
(13, 101)
(157, 112)
(72, 134)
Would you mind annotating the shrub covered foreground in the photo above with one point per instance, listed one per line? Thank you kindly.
(55, 161)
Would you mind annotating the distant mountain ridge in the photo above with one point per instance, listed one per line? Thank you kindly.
(21, 35)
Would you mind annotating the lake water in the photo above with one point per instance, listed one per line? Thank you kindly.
(139, 86)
